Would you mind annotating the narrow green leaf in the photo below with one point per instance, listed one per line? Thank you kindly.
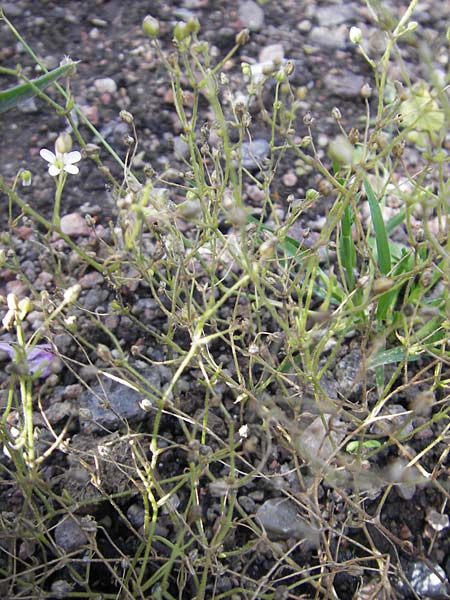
(383, 251)
(391, 356)
(20, 93)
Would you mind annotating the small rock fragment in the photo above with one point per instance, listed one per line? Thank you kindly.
(253, 153)
(321, 438)
(69, 535)
(424, 582)
(344, 84)
(437, 520)
(74, 224)
(280, 519)
(251, 15)
(105, 85)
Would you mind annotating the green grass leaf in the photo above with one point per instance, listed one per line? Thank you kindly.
(383, 249)
(14, 96)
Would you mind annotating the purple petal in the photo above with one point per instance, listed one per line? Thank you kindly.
(38, 358)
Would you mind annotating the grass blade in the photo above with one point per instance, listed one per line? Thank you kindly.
(25, 91)
(383, 251)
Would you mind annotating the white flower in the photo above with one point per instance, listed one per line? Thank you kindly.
(61, 162)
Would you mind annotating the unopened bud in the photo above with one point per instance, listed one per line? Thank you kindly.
(193, 25)
(308, 119)
(311, 194)
(382, 285)
(72, 293)
(12, 302)
(340, 150)
(25, 176)
(150, 26)
(412, 25)
(180, 31)
(398, 149)
(353, 136)
(336, 113)
(90, 151)
(289, 68)
(355, 35)
(366, 91)
(267, 248)
(24, 307)
(126, 116)
(246, 69)
(242, 37)
(63, 143)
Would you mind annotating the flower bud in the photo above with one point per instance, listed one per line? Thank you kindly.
(412, 26)
(90, 151)
(340, 150)
(72, 293)
(311, 194)
(193, 25)
(336, 113)
(289, 68)
(180, 31)
(126, 116)
(246, 69)
(12, 301)
(150, 26)
(25, 305)
(63, 143)
(25, 176)
(366, 91)
(308, 119)
(242, 37)
(355, 35)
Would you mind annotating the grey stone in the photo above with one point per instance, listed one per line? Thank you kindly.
(396, 420)
(180, 148)
(105, 85)
(109, 404)
(136, 515)
(328, 16)
(424, 582)
(323, 37)
(253, 153)
(344, 84)
(69, 535)
(321, 438)
(28, 106)
(280, 519)
(251, 15)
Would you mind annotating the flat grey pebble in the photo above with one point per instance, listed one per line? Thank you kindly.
(281, 520)
(344, 84)
(253, 153)
(69, 535)
(327, 16)
(105, 85)
(251, 15)
(109, 404)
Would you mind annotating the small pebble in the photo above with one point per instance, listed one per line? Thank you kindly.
(105, 85)
(74, 224)
(69, 535)
(253, 153)
(290, 179)
(251, 15)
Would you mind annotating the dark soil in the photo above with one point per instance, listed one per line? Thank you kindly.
(106, 37)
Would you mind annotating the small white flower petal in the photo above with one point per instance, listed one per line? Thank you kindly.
(72, 169)
(53, 170)
(47, 155)
(72, 157)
